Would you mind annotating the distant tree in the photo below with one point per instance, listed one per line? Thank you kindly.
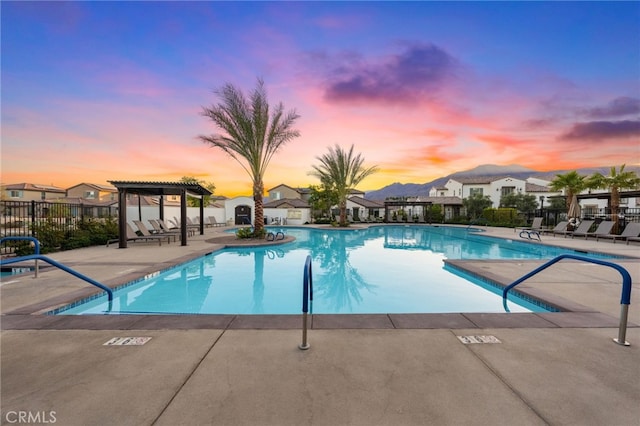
(556, 203)
(571, 183)
(343, 171)
(524, 203)
(323, 197)
(252, 134)
(475, 205)
(206, 199)
(617, 180)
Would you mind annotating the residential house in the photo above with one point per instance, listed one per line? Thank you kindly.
(93, 192)
(495, 187)
(289, 211)
(31, 192)
(22, 200)
(361, 209)
(283, 191)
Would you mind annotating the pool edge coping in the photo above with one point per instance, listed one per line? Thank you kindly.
(573, 315)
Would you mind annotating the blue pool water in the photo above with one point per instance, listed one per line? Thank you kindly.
(382, 269)
(7, 272)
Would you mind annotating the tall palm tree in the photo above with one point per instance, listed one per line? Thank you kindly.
(616, 181)
(344, 171)
(251, 135)
(571, 183)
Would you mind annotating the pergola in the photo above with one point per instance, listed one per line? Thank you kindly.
(158, 189)
(388, 205)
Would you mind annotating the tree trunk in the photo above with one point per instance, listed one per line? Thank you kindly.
(343, 213)
(258, 222)
(615, 207)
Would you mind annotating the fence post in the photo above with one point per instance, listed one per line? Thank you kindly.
(33, 218)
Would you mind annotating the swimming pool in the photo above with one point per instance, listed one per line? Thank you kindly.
(381, 269)
(8, 271)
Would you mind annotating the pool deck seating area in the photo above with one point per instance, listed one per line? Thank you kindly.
(405, 369)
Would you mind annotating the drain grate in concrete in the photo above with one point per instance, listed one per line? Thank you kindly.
(127, 341)
(468, 340)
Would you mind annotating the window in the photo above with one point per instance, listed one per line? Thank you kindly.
(475, 191)
(43, 195)
(89, 194)
(15, 194)
(506, 190)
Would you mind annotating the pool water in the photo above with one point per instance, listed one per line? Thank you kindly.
(7, 271)
(381, 269)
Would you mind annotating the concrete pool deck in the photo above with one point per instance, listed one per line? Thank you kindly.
(549, 368)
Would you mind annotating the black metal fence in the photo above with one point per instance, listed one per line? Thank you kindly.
(23, 218)
(553, 216)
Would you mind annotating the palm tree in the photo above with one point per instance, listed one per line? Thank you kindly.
(571, 183)
(343, 171)
(251, 135)
(616, 181)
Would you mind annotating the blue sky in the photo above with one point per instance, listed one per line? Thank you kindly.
(114, 90)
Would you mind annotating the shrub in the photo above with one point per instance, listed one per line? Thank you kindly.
(243, 233)
(501, 216)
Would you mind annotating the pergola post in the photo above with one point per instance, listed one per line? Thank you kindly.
(201, 215)
(122, 218)
(183, 217)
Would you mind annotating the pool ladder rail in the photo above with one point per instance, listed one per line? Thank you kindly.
(307, 301)
(37, 256)
(625, 298)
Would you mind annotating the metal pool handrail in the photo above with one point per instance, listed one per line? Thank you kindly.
(50, 261)
(307, 300)
(34, 240)
(625, 298)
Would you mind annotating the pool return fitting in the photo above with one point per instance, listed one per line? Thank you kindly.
(625, 298)
(307, 301)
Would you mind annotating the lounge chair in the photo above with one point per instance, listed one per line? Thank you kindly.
(559, 228)
(132, 236)
(159, 229)
(632, 230)
(190, 231)
(190, 224)
(582, 229)
(604, 228)
(536, 225)
(146, 233)
(629, 239)
(214, 222)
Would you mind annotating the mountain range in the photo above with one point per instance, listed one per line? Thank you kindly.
(513, 170)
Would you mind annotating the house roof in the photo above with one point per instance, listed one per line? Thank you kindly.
(366, 203)
(96, 186)
(532, 187)
(446, 201)
(159, 188)
(33, 187)
(287, 203)
(87, 201)
(285, 185)
(480, 179)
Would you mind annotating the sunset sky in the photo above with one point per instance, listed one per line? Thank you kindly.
(98, 91)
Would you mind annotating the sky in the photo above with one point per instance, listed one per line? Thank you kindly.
(99, 91)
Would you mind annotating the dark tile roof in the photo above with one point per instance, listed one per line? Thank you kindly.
(366, 203)
(286, 203)
(160, 188)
